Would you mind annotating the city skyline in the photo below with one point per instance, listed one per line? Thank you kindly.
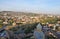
(44, 6)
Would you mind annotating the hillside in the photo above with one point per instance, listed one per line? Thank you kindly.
(19, 13)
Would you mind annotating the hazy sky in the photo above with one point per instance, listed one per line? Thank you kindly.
(31, 5)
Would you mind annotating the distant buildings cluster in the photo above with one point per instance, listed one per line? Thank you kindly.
(7, 19)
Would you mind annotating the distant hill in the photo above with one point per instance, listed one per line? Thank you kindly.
(19, 13)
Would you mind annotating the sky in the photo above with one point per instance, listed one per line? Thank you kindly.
(40, 6)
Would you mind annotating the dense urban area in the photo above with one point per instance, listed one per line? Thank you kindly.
(21, 25)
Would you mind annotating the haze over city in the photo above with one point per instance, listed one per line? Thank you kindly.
(38, 6)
